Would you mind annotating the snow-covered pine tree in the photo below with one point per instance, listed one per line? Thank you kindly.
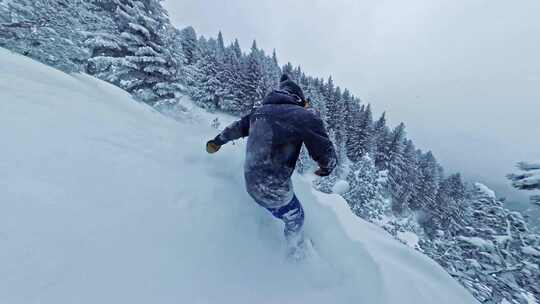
(190, 47)
(225, 67)
(228, 76)
(231, 79)
(303, 83)
(107, 47)
(297, 74)
(237, 62)
(489, 249)
(316, 99)
(172, 89)
(331, 104)
(410, 177)
(427, 185)
(288, 69)
(381, 135)
(191, 54)
(365, 132)
(149, 70)
(251, 85)
(224, 90)
(326, 183)
(364, 191)
(50, 31)
(275, 70)
(354, 120)
(140, 62)
(220, 48)
(397, 168)
(447, 212)
(236, 48)
(338, 116)
(492, 246)
(270, 72)
(207, 86)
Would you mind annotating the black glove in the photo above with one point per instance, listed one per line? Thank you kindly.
(323, 172)
(212, 146)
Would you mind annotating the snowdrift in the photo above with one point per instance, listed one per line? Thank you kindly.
(104, 200)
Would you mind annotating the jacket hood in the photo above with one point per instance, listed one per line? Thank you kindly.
(287, 84)
(283, 97)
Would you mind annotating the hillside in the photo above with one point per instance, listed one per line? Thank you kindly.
(104, 200)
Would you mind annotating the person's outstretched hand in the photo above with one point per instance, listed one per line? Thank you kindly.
(212, 146)
(322, 172)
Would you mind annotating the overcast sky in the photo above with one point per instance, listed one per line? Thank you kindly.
(464, 76)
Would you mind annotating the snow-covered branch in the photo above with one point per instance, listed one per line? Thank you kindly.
(527, 166)
(527, 180)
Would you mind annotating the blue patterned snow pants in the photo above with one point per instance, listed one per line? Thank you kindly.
(292, 215)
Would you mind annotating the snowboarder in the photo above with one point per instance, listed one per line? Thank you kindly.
(276, 131)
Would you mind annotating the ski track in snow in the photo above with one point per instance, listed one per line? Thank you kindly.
(104, 200)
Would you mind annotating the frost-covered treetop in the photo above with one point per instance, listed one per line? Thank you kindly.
(484, 190)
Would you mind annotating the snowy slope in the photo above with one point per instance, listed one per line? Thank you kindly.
(103, 200)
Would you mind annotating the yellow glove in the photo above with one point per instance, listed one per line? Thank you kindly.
(212, 146)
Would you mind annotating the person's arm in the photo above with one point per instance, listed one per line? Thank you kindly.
(319, 146)
(234, 131)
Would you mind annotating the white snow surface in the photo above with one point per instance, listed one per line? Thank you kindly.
(340, 187)
(104, 200)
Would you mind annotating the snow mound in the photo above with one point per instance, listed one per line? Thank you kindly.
(340, 187)
(409, 238)
(104, 200)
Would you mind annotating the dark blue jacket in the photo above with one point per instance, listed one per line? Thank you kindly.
(276, 132)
